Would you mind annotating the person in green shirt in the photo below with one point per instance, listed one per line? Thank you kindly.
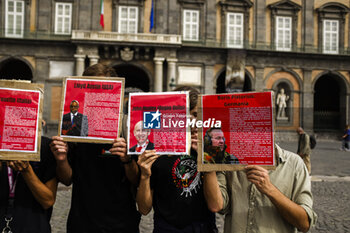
(258, 200)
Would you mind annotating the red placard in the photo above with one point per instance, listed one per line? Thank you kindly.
(19, 120)
(91, 109)
(158, 121)
(246, 133)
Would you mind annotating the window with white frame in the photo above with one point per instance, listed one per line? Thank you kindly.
(128, 19)
(14, 18)
(190, 25)
(63, 18)
(234, 32)
(283, 33)
(330, 36)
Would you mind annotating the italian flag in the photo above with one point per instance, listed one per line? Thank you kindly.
(102, 22)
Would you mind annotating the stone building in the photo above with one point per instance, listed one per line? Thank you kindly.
(300, 46)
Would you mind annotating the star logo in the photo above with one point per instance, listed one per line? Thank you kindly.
(151, 120)
(155, 115)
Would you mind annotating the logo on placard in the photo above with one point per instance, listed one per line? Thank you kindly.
(151, 120)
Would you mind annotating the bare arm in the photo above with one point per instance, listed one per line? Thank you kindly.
(45, 194)
(212, 192)
(144, 193)
(59, 149)
(290, 211)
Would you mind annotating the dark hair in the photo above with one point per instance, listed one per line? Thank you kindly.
(193, 95)
(100, 70)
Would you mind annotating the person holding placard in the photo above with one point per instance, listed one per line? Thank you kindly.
(257, 200)
(172, 185)
(27, 193)
(103, 177)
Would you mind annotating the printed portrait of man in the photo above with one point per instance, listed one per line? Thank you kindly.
(215, 148)
(141, 135)
(74, 123)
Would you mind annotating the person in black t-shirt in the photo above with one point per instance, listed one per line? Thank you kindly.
(103, 176)
(174, 187)
(35, 188)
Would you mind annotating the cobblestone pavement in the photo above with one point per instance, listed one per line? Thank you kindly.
(330, 186)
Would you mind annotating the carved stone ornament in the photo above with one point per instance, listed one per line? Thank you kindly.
(126, 54)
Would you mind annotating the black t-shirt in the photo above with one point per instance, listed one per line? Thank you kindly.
(178, 196)
(28, 214)
(102, 200)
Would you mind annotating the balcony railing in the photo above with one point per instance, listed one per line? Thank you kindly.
(36, 35)
(125, 37)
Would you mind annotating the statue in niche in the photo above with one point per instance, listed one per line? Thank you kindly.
(281, 103)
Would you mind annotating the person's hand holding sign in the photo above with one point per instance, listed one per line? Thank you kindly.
(119, 148)
(145, 162)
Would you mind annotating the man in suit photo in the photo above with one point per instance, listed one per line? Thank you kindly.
(141, 136)
(75, 123)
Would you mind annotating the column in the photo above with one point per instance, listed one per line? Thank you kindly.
(93, 59)
(79, 64)
(171, 77)
(209, 80)
(308, 102)
(158, 79)
(259, 79)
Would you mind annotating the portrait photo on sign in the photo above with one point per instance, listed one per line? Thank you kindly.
(91, 109)
(157, 121)
(20, 120)
(244, 136)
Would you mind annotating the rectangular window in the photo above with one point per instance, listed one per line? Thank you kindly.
(330, 36)
(63, 18)
(284, 33)
(128, 17)
(14, 19)
(234, 35)
(190, 25)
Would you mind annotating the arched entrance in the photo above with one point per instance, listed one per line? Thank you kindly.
(220, 83)
(329, 103)
(15, 69)
(134, 76)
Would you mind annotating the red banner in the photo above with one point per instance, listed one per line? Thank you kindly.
(158, 121)
(91, 109)
(246, 132)
(19, 116)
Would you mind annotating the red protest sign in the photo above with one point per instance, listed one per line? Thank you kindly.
(20, 121)
(245, 135)
(91, 109)
(158, 121)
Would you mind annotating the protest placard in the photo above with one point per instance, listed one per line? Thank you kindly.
(159, 121)
(91, 109)
(20, 120)
(245, 136)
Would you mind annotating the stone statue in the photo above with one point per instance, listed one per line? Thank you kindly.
(281, 103)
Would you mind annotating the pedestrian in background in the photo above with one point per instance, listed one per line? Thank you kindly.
(346, 139)
(304, 149)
